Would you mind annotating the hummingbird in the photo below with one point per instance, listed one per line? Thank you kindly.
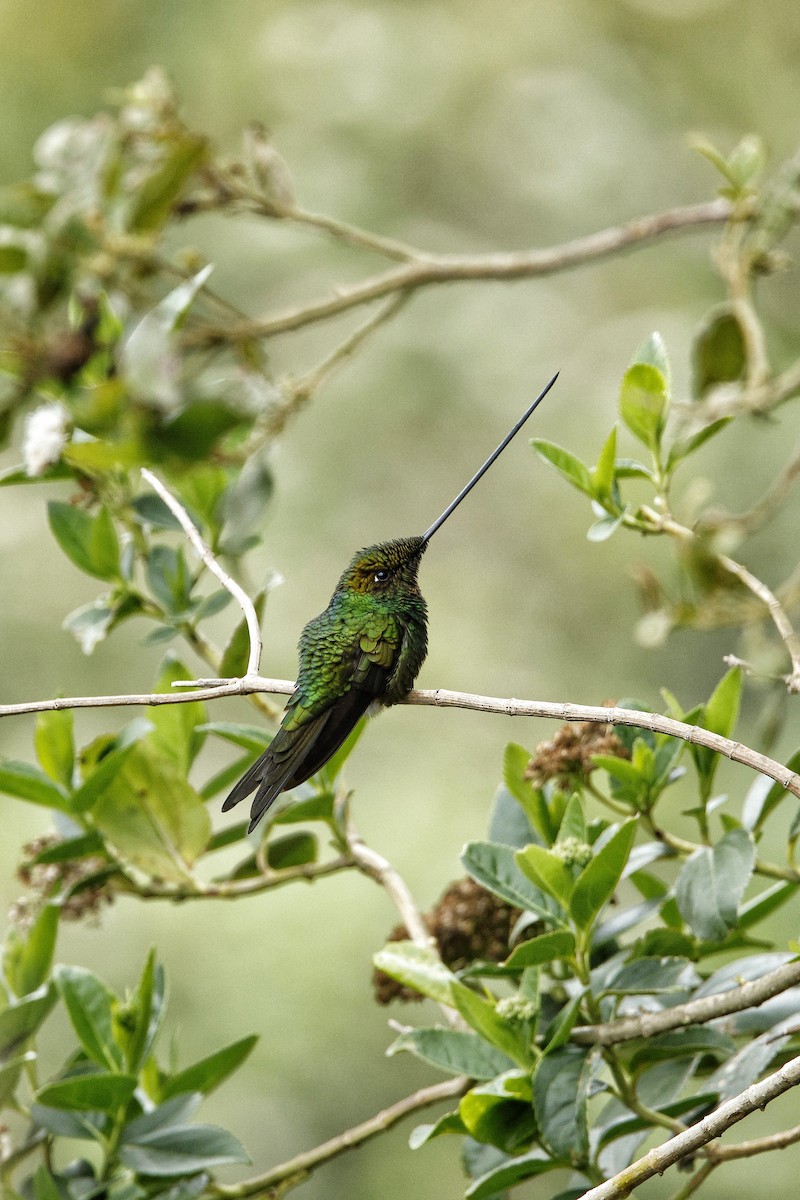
(361, 654)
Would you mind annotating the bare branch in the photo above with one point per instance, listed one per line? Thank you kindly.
(206, 555)
(441, 698)
(298, 391)
(371, 863)
(656, 1161)
(777, 614)
(663, 522)
(343, 231)
(773, 1141)
(153, 889)
(695, 1012)
(454, 268)
(296, 1169)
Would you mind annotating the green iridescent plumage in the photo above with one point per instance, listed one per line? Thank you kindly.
(365, 648)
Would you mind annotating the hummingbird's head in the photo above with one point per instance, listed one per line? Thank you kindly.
(387, 569)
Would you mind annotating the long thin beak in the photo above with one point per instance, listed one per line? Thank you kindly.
(426, 537)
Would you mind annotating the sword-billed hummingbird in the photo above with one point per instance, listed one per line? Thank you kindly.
(365, 649)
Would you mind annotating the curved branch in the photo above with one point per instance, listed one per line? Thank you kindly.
(296, 1169)
(695, 1012)
(656, 1161)
(441, 698)
(454, 268)
(207, 556)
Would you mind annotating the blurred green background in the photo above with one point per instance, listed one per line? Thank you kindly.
(460, 126)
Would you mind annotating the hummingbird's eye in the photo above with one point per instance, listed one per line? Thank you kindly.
(381, 576)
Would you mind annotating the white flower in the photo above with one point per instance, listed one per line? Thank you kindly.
(46, 435)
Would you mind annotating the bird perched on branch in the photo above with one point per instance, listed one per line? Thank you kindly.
(359, 655)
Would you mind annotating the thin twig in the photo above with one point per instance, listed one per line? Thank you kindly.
(234, 889)
(695, 1181)
(371, 863)
(343, 231)
(656, 1161)
(777, 613)
(773, 1141)
(296, 1169)
(307, 384)
(694, 1012)
(751, 521)
(207, 556)
(664, 523)
(298, 391)
(454, 268)
(441, 698)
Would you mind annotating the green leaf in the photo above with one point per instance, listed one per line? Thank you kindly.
(245, 503)
(530, 798)
(546, 948)
(181, 1150)
(151, 815)
(150, 509)
(91, 1093)
(547, 871)
(19, 1021)
(27, 782)
(55, 745)
(418, 968)
(651, 977)
(90, 1006)
(208, 1073)
(596, 883)
(168, 579)
(12, 259)
(499, 1112)
(44, 1185)
(495, 868)
(603, 529)
(89, 542)
(249, 737)
(453, 1050)
(653, 351)
(643, 403)
(722, 709)
(777, 793)
(508, 824)
(99, 779)
(573, 470)
(71, 1124)
(194, 433)
(176, 731)
(560, 1095)
(562, 1024)
(9, 1075)
(765, 903)
(27, 958)
(683, 1043)
(603, 475)
(450, 1123)
(146, 1008)
(493, 1184)
(91, 623)
(182, 155)
(712, 882)
(744, 1068)
(686, 446)
(481, 1015)
(292, 850)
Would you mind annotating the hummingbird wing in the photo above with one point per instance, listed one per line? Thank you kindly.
(342, 671)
